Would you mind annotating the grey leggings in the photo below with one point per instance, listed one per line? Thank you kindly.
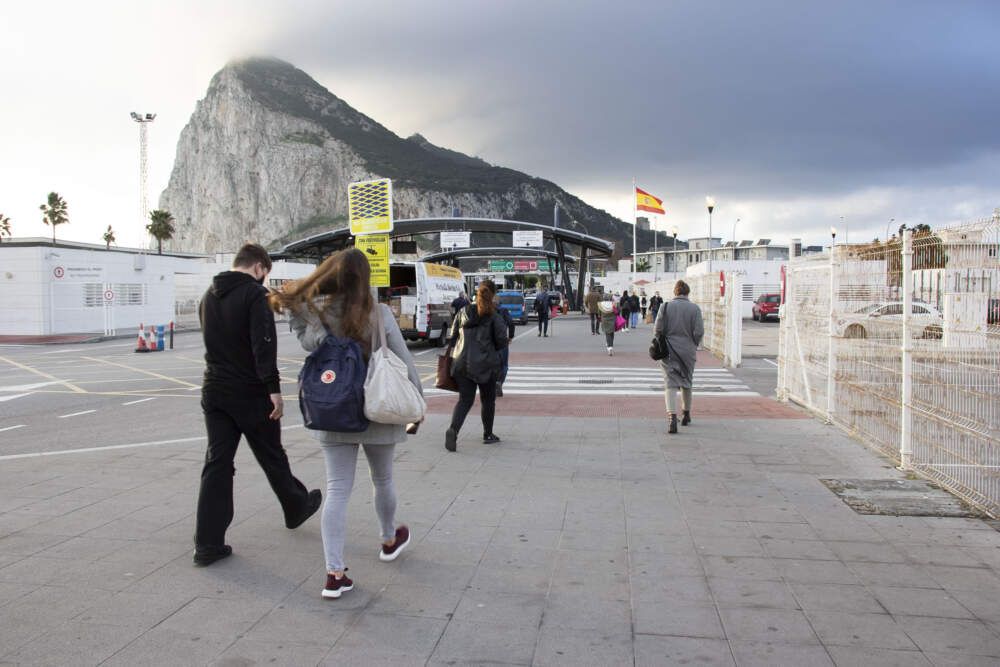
(672, 399)
(341, 462)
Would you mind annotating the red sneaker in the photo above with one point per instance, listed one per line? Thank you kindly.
(334, 586)
(387, 554)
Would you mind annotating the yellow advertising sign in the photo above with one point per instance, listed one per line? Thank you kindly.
(376, 249)
(369, 206)
(443, 271)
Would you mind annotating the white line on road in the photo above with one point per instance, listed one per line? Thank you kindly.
(86, 450)
(27, 387)
(771, 362)
(76, 349)
(141, 400)
(11, 428)
(76, 414)
(13, 396)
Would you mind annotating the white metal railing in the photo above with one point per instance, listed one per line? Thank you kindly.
(899, 343)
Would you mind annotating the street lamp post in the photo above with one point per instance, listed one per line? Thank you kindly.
(652, 225)
(734, 238)
(674, 231)
(143, 120)
(710, 203)
(887, 226)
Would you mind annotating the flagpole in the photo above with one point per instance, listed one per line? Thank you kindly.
(635, 231)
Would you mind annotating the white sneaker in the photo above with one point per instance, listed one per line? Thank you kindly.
(611, 351)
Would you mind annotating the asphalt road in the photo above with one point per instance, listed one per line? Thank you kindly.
(101, 395)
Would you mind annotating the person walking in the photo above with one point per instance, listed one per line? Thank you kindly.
(609, 314)
(542, 309)
(644, 306)
(680, 322)
(458, 303)
(655, 303)
(477, 336)
(336, 298)
(505, 352)
(592, 300)
(241, 396)
(633, 309)
(625, 308)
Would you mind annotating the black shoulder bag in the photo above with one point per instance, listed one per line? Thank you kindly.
(659, 349)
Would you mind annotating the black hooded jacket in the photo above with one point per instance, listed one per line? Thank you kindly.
(476, 342)
(241, 344)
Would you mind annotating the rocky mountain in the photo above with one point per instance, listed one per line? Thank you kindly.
(268, 154)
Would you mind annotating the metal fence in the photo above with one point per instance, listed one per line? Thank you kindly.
(899, 343)
(720, 299)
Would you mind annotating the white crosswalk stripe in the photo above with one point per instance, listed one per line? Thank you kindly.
(608, 381)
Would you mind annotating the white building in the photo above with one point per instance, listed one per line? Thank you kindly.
(73, 287)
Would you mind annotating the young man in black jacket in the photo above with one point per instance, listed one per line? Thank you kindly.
(241, 395)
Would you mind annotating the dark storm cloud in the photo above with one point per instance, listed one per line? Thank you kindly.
(766, 99)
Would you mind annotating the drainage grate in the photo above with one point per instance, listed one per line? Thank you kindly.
(899, 497)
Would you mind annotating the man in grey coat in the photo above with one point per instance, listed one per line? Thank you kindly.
(680, 321)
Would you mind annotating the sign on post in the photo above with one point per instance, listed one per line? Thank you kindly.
(501, 265)
(376, 249)
(369, 207)
(529, 239)
(455, 240)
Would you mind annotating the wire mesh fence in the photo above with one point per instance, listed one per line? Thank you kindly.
(720, 300)
(899, 342)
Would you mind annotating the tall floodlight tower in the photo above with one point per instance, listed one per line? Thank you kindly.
(143, 120)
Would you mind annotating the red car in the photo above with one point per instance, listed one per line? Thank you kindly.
(765, 306)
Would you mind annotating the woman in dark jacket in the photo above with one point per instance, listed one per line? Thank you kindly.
(477, 336)
(625, 309)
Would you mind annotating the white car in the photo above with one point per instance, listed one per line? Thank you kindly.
(885, 320)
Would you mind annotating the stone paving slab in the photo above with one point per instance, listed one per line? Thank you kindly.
(578, 541)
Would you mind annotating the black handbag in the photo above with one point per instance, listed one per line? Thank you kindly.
(659, 349)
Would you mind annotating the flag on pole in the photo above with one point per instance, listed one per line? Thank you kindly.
(647, 202)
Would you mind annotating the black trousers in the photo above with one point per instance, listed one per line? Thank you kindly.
(467, 396)
(226, 419)
(543, 322)
(595, 321)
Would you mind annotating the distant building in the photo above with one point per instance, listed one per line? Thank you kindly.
(696, 250)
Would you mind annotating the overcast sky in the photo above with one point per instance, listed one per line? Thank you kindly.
(791, 113)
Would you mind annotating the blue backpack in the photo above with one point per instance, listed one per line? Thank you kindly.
(332, 386)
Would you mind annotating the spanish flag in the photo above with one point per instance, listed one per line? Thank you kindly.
(647, 202)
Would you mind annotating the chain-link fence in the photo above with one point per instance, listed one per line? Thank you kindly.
(899, 342)
(720, 300)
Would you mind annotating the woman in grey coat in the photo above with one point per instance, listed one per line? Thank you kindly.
(338, 294)
(680, 320)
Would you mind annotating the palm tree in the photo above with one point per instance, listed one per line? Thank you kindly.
(4, 227)
(161, 228)
(109, 238)
(642, 265)
(54, 213)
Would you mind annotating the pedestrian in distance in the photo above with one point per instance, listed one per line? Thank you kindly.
(625, 308)
(542, 310)
(336, 298)
(591, 302)
(633, 309)
(655, 303)
(458, 303)
(643, 306)
(680, 322)
(241, 396)
(477, 336)
(505, 352)
(609, 315)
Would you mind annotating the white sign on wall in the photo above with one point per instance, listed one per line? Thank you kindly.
(451, 240)
(523, 239)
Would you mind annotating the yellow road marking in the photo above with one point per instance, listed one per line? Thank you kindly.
(44, 375)
(141, 370)
(137, 392)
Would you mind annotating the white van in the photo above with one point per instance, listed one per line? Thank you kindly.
(420, 296)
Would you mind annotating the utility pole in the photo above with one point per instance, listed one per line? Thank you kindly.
(143, 120)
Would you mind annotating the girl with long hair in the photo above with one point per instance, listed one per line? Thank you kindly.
(336, 298)
(477, 336)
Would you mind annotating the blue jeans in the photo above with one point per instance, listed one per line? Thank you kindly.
(633, 320)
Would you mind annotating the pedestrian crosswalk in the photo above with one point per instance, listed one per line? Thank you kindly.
(610, 381)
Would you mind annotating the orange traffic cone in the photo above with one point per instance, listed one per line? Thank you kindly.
(141, 346)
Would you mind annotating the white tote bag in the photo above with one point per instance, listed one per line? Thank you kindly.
(390, 397)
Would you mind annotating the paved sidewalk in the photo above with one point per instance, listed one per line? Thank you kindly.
(578, 541)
